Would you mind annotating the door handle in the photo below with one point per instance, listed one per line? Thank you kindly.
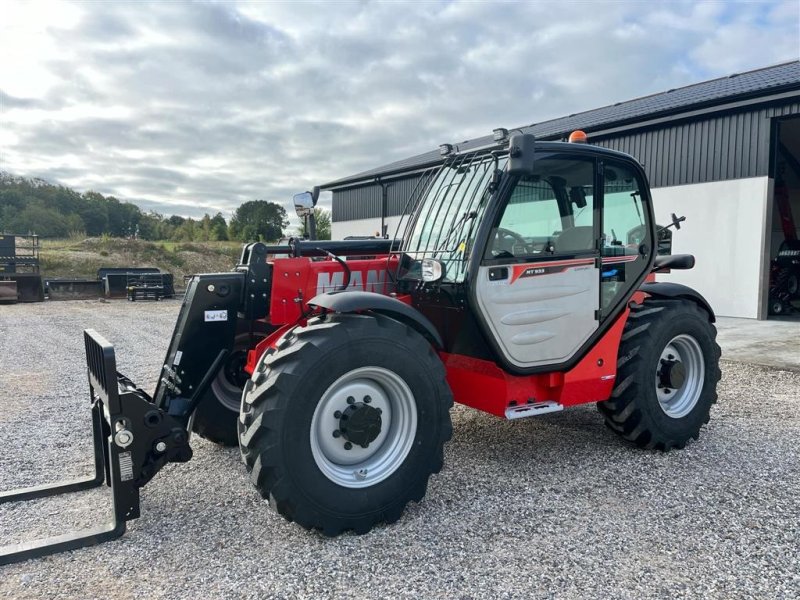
(498, 273)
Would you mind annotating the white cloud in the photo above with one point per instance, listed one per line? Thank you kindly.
(194, 108)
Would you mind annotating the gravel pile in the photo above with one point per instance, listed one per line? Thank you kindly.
(553, 507)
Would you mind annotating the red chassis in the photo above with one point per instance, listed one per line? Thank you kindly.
(477, 383)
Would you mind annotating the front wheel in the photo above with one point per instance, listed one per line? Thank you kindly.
(667, 374)
(343, 424)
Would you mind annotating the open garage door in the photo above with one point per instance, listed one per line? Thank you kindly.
(784, 271)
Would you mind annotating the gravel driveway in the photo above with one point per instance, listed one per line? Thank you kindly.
(554, 507)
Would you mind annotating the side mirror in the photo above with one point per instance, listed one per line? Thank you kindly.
(304, 203)
(520, 154)
(577, 196)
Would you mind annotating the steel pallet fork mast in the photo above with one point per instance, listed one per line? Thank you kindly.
(134, 434)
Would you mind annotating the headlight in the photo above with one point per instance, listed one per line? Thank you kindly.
(432, 270)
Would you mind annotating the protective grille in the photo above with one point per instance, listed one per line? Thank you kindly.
(449, 205)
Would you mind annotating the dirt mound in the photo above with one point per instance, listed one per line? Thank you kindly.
(82, 258)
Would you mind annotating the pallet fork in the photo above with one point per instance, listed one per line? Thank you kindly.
(135, 434)
(133, 439)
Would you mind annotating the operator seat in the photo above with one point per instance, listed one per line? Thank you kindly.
(575, 238)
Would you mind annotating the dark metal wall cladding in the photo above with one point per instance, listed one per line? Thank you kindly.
(732, 145)
(729, 146)
(365, 202)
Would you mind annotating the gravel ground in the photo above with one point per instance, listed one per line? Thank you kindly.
(553, 507)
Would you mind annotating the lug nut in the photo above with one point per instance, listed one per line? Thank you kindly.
(160, 446)
(351, 400)
(348, 445)
(337, 433)
(367, 399)
(337, 414)
(379, 411)
(365, 445)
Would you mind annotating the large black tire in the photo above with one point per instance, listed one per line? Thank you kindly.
(218, 412)
(634, 410)
(777, 306)
(295, 387)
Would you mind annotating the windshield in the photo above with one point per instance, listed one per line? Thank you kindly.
(449, 211)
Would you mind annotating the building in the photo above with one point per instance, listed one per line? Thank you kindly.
(712, 152)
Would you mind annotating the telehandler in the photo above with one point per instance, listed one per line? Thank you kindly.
(522, 284)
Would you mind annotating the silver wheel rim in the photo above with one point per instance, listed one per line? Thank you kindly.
(679, 402)
(228, 393)
(363, 467)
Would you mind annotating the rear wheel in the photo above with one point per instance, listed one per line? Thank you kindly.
(343, 424)
(793, 285)
(667, 375)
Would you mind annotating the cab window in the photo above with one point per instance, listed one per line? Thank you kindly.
(549, 212)
(626, 228)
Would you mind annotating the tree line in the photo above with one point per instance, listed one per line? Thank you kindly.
(33, 206)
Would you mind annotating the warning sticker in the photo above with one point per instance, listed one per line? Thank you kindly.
(125, 466)
(216, 315)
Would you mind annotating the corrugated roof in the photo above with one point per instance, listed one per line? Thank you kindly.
(737, 86)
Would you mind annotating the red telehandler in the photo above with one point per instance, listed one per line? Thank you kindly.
(509, 291)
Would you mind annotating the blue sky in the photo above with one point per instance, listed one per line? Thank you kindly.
(189, 108)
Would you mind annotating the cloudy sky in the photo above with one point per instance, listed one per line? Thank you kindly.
(189, 107)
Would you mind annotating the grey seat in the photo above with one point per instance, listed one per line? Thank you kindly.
(575, 238)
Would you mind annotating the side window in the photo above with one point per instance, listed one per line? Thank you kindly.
(549, 212)
(625, 227)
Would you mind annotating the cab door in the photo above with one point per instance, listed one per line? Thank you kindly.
(537, 289)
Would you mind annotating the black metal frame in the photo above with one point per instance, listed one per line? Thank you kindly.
(134, 434)
(101, 362)
(28, 260)
(132, 441)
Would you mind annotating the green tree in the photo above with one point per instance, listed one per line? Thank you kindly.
(175, 220)
(94, 212)
(258, 220)
(122, 217)
(219, 228)
(323, 220)
(186, 232)
(37, 218)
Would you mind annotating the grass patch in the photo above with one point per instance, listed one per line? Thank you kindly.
(81, 258)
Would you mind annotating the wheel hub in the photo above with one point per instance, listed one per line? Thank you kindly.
(679, 376)
(234, 369)
(363, 427)
(672, 374)
(360, 424)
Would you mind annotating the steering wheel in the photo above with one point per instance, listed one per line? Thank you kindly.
(504, 242)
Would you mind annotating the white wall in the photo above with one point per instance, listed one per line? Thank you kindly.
(725, 229)
(341, 229)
